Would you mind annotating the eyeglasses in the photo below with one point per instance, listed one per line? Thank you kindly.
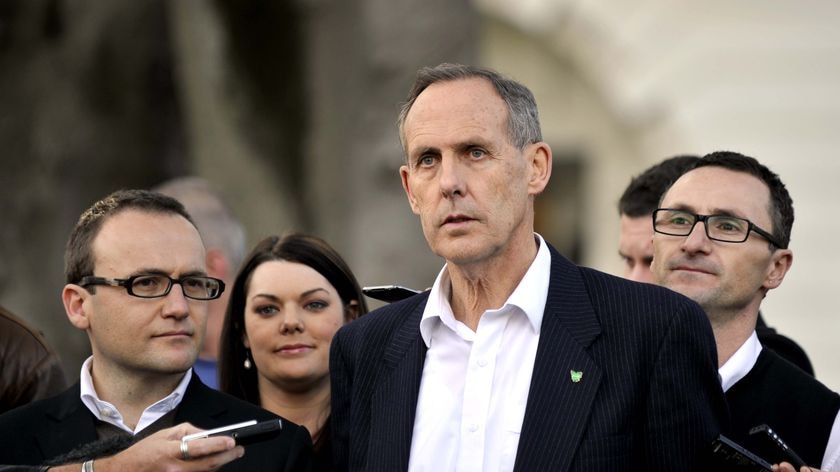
(728, 229)
(153, 286)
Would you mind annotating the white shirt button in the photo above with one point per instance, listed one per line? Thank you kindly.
(482, 362)
(473, 428)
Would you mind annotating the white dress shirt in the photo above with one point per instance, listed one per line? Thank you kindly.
(475, 384)
(104, 411)
(742, 362)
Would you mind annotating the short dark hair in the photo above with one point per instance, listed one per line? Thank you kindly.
(78, 256)
(523, 117)
(780, 205)
(645, 190)
(303, 249)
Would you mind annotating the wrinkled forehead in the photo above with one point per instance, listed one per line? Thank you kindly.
(716, 190)
(472, 100)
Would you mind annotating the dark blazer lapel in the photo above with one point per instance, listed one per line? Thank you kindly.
(70, 424)
(558, 407)
(199, 405)
(394, 402)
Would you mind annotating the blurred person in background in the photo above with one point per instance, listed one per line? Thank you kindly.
(224, 240)
(288, 300)
(635, 207)
(31, 369)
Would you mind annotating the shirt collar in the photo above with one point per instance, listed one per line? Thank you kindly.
(741, 362)
(529, 296)
(107, 412)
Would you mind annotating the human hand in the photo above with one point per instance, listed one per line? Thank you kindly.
(162, 452)
(785, 467)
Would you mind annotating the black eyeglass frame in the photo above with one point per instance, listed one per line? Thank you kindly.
(127, 284)
(704, 218)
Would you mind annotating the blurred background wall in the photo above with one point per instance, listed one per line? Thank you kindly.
(288, 108)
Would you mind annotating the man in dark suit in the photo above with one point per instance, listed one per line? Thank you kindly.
(721, 239)
(136, 284)
(516, 359)
(635, 242)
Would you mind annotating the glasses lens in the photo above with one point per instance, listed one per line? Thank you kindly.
(675, 222)
(727, 228)
(150, 285)
(200, 288)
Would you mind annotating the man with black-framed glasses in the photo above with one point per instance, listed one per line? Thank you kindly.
(721, 238)
(137, 285)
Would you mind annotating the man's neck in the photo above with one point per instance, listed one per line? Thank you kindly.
(481, 287)
(129, 392)
(732, 332)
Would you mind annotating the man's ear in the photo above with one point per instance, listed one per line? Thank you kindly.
(218, 264)
(780, 262)
(76, 305)
(351, 311)
(538, 156)
(411, 200)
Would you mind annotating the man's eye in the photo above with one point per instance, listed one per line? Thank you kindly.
(679, 221)
(729, 225)
(146, 282)
(477, 153)
(193, 283)
(426, 161)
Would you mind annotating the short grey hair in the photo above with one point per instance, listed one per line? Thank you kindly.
(523, 116)
(216, 224)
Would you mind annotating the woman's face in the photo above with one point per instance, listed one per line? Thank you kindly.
(291, 315)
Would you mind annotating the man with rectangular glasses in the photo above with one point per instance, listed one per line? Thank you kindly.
(137, 285)
(721, 238)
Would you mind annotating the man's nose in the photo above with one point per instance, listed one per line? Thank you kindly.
(451, 177)
(697, 240)
(175, 303)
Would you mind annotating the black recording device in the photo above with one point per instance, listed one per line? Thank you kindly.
(389, 293)
(244, 433)
(732, 457)
(777, 444)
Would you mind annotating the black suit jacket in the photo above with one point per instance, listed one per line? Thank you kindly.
(649, 398)
(40, 431)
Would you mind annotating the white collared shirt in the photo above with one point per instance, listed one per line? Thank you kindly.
(108, 413)
(742, 362)
(475, 384)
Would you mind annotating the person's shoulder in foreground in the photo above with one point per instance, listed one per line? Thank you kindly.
(202, 406)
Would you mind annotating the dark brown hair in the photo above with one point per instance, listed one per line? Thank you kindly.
(78, 257)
